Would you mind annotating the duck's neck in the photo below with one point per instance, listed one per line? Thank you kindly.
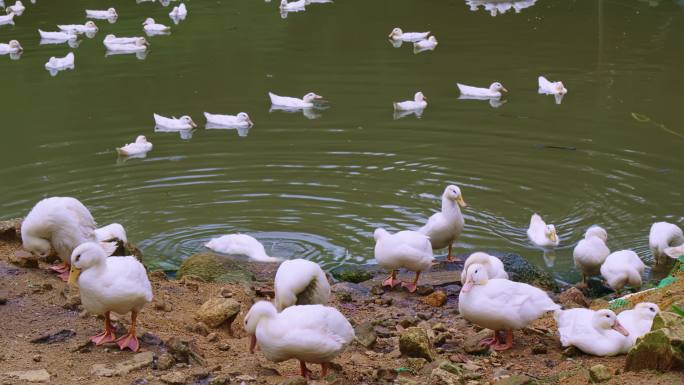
(450, 207)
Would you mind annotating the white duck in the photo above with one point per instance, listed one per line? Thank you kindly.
(623, 268)
(300, 282)
(428, 43)
(398, 34)
(309, 333)
(493, 265)
(183, 123)
(179, 12)
(639, 320)
(62, 36)
(444, 228)
(89, 26)
(112, 39)
(500, 304)
(406, 249)
(551, 88)
(18, 8)
(114, 284)
(240, 244)
(594, 332)
(7, 19)
(418, 103)
(139, 147)
(286, 101)
(292, 6)
(234, 121)
(12, 47)
(113, 232)
(662, 236)
(149, 25)
(60, 63)
(541, 234)
(494, 90)
(139, 45)
(59, 223)
(97, 14)
(591, 252)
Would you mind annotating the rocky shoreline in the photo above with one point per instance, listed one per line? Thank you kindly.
(192, 332)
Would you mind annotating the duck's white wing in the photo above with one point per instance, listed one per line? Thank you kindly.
(300, 282)
(472, 91)
(545, 86)
(127, 280)
(527, 301)
(285, 101)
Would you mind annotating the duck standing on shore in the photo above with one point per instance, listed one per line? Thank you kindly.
(309, 333)
(408, 249)
(499, 304)
(60, 223)
(114, 284)
(300, 282)
(623, 268)
(591, 252)
(444, 228)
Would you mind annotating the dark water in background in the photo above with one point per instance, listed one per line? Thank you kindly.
(317, 188)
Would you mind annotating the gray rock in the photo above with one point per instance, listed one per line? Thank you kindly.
(38, 375)
(350, 289)
(599, 373)
(440, 376)
(174, 378)
(365, 334)
(514, 380)
(24, 259)
(165, 361)
(218, 311)
(10, 230)
(139, 360)
(414, 342)
(185, 351)
(472, 344)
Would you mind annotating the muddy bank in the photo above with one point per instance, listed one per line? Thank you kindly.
(179, 349)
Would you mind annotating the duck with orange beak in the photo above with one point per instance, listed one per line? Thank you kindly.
(444, 228)
(114, 284)
(500, 304)
(599, 332)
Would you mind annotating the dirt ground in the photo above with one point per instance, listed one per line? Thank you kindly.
(36, 303)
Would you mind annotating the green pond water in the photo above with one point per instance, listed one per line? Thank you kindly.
(609, 154)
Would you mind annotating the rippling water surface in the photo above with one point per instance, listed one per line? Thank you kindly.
(316, 185)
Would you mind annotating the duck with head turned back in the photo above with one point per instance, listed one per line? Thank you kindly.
(300, 282)
(591, 252)
(662, 236)
(444, 228)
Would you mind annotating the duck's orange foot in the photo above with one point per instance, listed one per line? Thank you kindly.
(129, 341)
(499, 347)
(103, 338)
(390, 281)
(63, 268)
(411, 287)
(64, 276)
(488, 342)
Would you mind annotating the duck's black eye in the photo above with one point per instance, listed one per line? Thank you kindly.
(607, 316)
(78, 258)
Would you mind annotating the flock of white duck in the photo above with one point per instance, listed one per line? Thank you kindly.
(299, 325)
(69, 33)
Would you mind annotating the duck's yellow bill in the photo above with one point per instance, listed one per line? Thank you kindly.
(73, 276)
(460, 201)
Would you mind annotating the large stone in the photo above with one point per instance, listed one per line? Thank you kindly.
(23, 258)
(10, 230)
(661, 349)
(365, 334)
(350, 290)
(354, 274)
(520, 270)
(217, 311)
(666, 319)
(436, 299)
(185, 351)
(440, 376)
(215, 268)
(599, 373)
(414, 342)
(140, 360)
(472, 344)
(39, 375)
(572, 298)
